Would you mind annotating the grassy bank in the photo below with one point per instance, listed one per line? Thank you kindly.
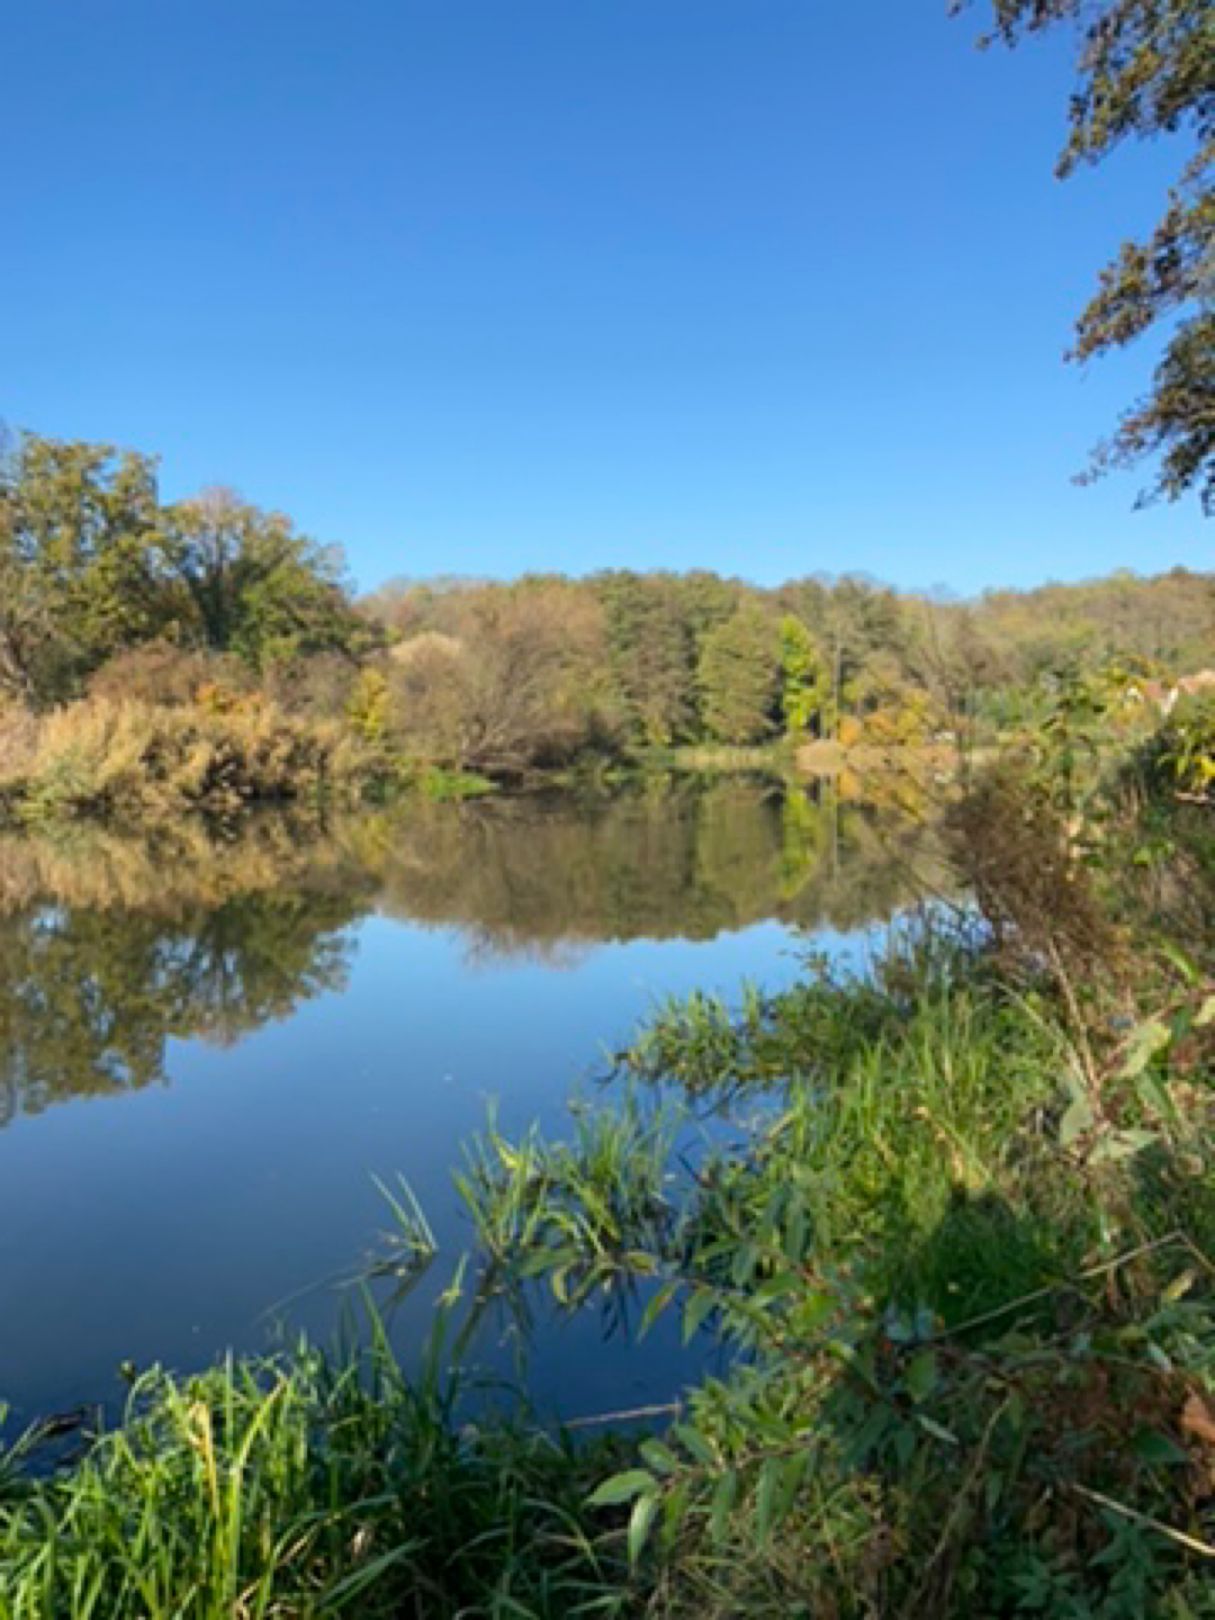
(953, 1224)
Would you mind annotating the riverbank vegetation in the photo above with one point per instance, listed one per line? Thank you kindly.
(157, 658)
(950, 1220)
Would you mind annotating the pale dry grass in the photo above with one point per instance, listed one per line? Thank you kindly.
(110, 756)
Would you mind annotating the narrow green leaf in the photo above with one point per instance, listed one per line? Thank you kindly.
(724, 1496)
(660, 1458)
(922, 1376)
(812, 1312)
(766, 1497)
(785, 1282)
(696, 1443)
(1154, 1096)
(673, 1510)
(1180, 1286)
(1122, 1145)
(656, 1306)
(622, 1488)
(1146, 1041)
(1157, 1448)
(1183, 964)
(641, 1521)
(698, 1308)
(938, 1431)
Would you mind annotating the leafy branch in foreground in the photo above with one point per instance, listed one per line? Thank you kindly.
(1147, 68)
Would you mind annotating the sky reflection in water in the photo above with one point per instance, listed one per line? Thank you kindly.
(209, 1048)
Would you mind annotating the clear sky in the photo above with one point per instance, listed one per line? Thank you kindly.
(482, 286)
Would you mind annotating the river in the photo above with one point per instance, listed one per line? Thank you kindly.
(212, 1041)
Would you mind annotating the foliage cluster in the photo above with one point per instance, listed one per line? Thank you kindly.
(1146, 68)
(651, 661)
(1182, 754)
(964, 1262)
(91, 564)
(210, 605)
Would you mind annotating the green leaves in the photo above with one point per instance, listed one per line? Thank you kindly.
(698, 1445)
(738, 677)
(641, 1521)
(656, 1306)
(922, 1376)
(638, 1486)
(725, 1494)
(1158, 1449)
(622, 1488)
(696, 1312)
(1147, 1040)
(659, 1457)
(1144, 71)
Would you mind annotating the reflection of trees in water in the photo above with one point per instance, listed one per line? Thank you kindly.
(674, 860)
(169, 869)
(110, 947)
(91, 997)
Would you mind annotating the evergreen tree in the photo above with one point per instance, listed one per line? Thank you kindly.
(739, 678)
(653, 655)
(805, 679)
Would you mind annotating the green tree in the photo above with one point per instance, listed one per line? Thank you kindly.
(805, 679)
(863, 626)
(1147, 68)
(739, 678)
(652, 649)
(243, 580)
(76, 585)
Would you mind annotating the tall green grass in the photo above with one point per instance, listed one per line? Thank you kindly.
(304, 1487)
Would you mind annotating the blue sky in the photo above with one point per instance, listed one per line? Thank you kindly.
(482, 286)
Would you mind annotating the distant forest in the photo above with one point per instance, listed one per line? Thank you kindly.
(110, 597)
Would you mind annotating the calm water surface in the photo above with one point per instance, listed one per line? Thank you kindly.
(209, 1047)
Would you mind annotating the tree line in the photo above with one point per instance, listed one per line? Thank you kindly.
(109, 595)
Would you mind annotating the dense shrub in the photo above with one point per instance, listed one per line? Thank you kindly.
(105, 756)
(1182, 754)
(165, 674)
(319, 686)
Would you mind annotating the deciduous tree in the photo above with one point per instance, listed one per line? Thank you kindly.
(76, 585)
(245, 581)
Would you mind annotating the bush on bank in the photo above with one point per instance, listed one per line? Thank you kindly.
(134, 759)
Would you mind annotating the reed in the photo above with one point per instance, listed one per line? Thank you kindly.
(135, 760)
(303, 1487)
